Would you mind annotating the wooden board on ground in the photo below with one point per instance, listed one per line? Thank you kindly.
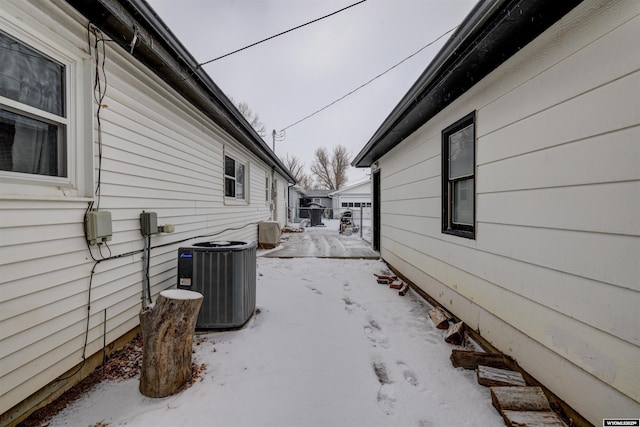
(471, 359)
(489, 376)
(439, 318)
(396, 285)
(404, 290)
(519, 399)
(532, 419)
(455, 334)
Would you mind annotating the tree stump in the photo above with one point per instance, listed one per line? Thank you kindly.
(167, 335)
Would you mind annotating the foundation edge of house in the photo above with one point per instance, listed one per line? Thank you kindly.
(52, 391)
(572, 417)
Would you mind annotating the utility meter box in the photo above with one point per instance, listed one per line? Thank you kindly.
(148, 223)
(98, 226)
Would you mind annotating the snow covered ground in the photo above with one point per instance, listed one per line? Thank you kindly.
(324, 242)
(328, 347)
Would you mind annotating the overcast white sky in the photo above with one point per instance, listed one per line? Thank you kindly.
(291, 76)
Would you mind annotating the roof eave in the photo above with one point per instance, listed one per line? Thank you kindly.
(160, 50)
(492, 32)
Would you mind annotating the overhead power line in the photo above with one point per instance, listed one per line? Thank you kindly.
(279, 34)
(371, 80)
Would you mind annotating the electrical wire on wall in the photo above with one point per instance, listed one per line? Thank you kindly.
(97, 50)
(146, 265)
(146, 293)
(99, 92)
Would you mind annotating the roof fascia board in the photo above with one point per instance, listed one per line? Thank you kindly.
(163, 54)
(475, 19)
(492, 32)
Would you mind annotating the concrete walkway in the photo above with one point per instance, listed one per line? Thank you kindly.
(322, 242)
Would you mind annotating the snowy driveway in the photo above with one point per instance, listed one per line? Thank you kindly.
(323, 242)
(329, 346)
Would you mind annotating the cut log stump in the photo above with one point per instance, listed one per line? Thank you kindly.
(439, 318)
(519, 399)
(499, 377)
(471, 359)
(532, 419)
(455, 334)
(167, 335)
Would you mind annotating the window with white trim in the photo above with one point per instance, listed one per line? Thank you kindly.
(234, 178)
(33, 111)
(458, 178)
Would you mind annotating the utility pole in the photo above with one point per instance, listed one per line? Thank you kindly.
(276, 136)
(273, 135)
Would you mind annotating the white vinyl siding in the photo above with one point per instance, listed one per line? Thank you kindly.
(159, 155)
(553, 276)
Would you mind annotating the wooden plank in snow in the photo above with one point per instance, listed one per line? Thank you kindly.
(532, 419)
(489, 376)
(396, 285)
(455, 334)
(519, 399)
(439, 318)
(471, 359)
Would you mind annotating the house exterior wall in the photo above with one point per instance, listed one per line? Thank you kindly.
(281, 201)
(159, 154)
(552, 277)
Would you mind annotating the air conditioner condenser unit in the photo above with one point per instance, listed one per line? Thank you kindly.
(225, 274)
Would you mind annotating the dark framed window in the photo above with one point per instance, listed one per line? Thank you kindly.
(33, 111)
(458, 178)
(234, 178)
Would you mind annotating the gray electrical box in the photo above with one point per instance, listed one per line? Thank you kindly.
(148, 223)
(98, 225)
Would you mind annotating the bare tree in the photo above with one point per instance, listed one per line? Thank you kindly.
(340, 164)
(296, 167)
(252, 118)
(330, 171)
